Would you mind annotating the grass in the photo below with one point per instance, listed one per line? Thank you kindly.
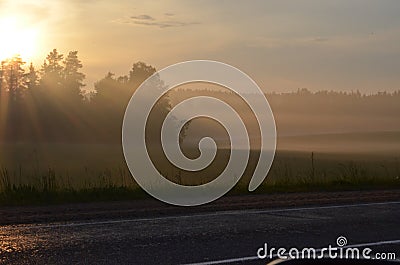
(34, 183)
(50, 188)
(327, 175)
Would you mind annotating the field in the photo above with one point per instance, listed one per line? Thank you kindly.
(64, 172)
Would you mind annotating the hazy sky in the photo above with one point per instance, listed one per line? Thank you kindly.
(283, 45)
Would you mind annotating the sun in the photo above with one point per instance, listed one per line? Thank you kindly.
(17, 39)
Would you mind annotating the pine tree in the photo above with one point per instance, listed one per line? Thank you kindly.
(1, 76)
(13, 78)
(32, 78)
(3, 99)
(73, 78)
(52, 69)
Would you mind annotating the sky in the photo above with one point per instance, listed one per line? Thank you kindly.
(344, 45)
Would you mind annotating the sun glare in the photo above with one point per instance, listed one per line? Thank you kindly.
(17, 39)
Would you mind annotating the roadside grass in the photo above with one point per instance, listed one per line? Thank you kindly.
(332, 173)
(290, 172)
(50, 188)
(26, 194)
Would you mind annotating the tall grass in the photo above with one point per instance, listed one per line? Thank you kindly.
(291, 171)
(288, 175)
(49, 187)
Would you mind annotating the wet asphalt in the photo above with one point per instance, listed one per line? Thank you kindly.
(199, 238)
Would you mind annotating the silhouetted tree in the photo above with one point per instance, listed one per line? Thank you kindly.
(3, 103)
(13, 88)
(52, 70)
(13, 78)
(32, 78)
(106, 89)
(1, 74)
(139, 72)
(123, 79)
(73, 78)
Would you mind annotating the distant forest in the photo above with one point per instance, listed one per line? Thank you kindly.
(50, 103)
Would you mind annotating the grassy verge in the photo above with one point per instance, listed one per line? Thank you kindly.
(311, 185)
(35, 184)
(49, 193)
(31, 196)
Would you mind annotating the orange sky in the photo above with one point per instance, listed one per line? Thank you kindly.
(282, 45)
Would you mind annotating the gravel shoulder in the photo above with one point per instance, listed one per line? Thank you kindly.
(153, 208)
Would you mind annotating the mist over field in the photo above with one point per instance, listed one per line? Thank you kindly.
(324, 121)
(331, 134)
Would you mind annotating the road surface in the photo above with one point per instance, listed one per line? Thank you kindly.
(207, 237)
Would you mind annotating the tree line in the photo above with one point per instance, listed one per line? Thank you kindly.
(50, 103)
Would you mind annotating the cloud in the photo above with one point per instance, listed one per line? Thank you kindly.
(265, 42)
(142, 17)
(164, 24)
(147, 20)
(320, 39)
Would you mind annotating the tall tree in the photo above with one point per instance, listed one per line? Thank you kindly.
(12, 94)
(52, 69)
(32, 78)
(73, 78)
(139, 72)
(108, 92)
(13, 78)
(3, 102)
(2, 67)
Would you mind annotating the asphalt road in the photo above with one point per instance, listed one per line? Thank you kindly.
(215, 237)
